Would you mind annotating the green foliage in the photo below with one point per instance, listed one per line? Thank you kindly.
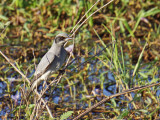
(66, 115)
(117, 49)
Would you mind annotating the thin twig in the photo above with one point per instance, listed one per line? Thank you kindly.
(15, 67)
(84, 16)
(90, 16)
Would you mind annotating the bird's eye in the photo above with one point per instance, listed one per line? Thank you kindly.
(61, 38)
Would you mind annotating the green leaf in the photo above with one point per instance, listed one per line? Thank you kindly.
(128, 27)
(144, 75)
(8, 23)
(66, 115)
(113, 102)
(152, 11)
(3, 17)
(1, 25)
(124, 114)
(50, 34)
(139, 60)
(31, 106)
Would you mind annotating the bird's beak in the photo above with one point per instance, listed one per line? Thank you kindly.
(68, 39)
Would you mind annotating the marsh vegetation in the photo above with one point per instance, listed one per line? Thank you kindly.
(117, 49)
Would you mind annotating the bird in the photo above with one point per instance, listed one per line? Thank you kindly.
(52, 61)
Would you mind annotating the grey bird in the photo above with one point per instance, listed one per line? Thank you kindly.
(51, 61)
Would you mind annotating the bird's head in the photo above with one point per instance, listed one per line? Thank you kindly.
(62, 38)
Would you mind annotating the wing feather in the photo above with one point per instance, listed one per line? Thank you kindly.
(44, 64)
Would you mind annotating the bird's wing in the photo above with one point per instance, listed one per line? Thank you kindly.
(44, 64)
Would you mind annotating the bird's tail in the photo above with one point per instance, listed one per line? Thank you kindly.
(34, 84)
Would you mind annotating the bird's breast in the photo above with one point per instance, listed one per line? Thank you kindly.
(59, 60)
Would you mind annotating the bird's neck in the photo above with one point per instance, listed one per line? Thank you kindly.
(57, 48)
(57, 45)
